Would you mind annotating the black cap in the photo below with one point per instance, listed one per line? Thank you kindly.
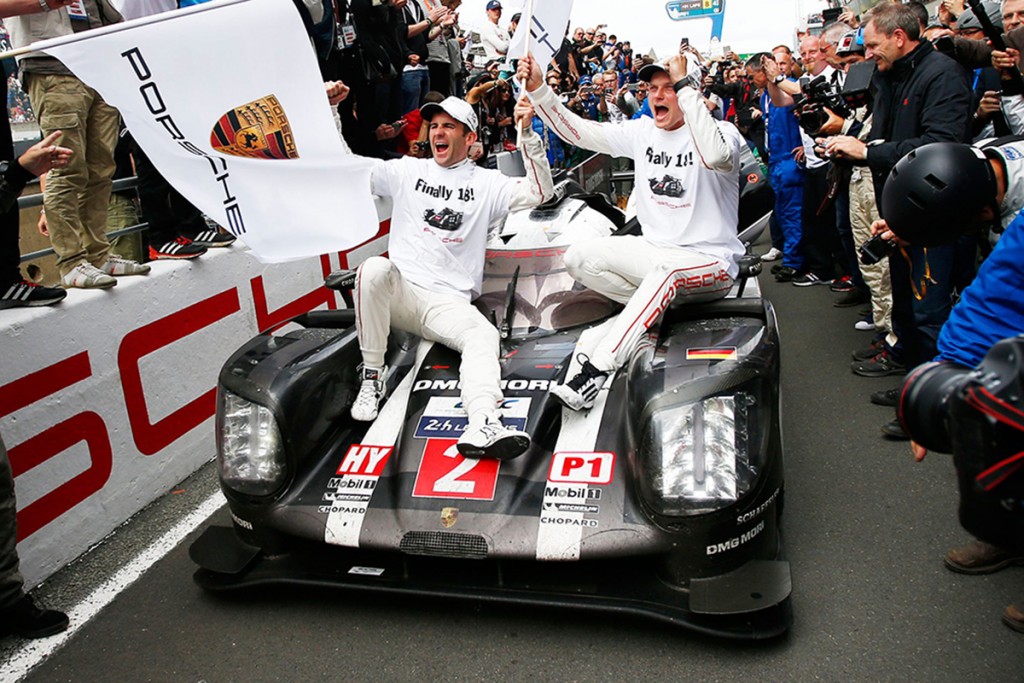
(650, 71)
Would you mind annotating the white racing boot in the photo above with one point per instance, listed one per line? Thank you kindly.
(580, 392)
(371, 391)
(486, 437)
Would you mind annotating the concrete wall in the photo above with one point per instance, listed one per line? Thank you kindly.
(107, 399)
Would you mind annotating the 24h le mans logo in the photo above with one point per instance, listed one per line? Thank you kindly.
(259, 130)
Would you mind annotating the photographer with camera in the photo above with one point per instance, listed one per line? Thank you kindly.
(863, 212)
(986, 81)
(820, 246)
(943, 405)
(921, 96)
(744, 94)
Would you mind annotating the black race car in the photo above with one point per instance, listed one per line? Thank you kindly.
(663, 500)
(445, 219)
(667, 186)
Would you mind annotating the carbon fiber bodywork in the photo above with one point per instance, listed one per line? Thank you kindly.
(565, 523)
(664, 499)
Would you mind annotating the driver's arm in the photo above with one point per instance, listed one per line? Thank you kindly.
(383, 177)
(577, 131)
(715, 151)
(537, 187)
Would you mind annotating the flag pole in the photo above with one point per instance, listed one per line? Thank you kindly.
(522, 84)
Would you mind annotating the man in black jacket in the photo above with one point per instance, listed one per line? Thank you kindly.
(922, 97)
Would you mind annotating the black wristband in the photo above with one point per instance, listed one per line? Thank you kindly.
(680, 84)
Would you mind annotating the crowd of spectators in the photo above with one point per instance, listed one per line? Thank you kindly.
(833, 121)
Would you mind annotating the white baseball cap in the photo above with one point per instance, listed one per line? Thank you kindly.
(458, 109)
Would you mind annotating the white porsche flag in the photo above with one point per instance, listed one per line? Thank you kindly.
(227, 101)
(546, 29)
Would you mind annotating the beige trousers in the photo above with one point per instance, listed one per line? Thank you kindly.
(76, 197)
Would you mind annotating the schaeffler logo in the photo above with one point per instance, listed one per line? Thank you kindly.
(259, 130)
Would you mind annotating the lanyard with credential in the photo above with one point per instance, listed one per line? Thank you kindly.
(919, 294)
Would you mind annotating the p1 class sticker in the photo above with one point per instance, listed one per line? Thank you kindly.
(581, 468)
(572, 493)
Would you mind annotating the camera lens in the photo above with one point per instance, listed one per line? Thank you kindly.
(923, 407)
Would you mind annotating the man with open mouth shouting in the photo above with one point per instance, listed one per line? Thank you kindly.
(688, 246)
(442, 209)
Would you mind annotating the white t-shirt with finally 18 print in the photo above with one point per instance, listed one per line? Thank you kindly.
(687, 180)
(441, 216)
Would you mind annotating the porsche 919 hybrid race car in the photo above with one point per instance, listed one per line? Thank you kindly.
(663, 500)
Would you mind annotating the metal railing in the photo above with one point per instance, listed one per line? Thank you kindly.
(30, 201)
(581, 172)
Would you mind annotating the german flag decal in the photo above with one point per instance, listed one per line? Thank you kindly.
(711, 353)
(259, 130)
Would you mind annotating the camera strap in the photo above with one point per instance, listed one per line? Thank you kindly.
(925, 279)
(984, 401)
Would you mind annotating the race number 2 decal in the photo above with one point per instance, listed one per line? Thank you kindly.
(444, 473)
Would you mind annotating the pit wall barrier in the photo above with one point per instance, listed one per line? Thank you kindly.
(107, 399)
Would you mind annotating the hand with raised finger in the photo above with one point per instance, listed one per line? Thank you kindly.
(45, 155)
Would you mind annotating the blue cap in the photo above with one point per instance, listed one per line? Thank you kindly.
(493, 4)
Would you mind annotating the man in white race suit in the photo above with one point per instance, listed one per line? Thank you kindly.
(442, 209)
(687, 198)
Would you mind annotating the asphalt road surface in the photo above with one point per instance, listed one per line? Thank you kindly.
(865, 530)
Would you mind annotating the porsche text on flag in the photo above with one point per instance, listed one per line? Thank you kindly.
(227, 101)
(546, 28)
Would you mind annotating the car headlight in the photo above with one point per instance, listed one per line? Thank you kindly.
(697, 457)
(251, 456)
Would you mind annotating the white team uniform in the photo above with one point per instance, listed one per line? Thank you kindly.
(495, 41)
(687, 199)
(437, 244)
(1012, 156)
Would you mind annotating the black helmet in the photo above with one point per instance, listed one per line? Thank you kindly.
(934, 193)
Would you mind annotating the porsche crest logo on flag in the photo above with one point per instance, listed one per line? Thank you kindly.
(258, 130)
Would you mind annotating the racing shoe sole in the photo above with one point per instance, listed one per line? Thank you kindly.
(505, 448)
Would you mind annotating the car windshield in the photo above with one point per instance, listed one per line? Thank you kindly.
(547, 298)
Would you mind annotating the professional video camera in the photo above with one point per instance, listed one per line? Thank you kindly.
(819, 97)
(977, 415)
(720, 68)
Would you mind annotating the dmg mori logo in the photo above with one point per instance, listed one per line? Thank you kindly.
(259, 130)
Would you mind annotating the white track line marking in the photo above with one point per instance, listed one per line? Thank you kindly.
(35, 651)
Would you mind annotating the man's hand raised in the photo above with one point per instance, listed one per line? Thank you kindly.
(529, 72)
(524, 113)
